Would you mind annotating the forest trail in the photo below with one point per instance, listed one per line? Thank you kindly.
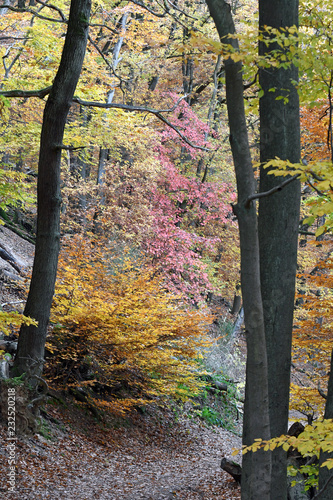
(149, 459)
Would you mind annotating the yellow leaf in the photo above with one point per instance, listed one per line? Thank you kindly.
(328, 463)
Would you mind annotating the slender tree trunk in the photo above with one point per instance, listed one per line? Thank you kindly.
(256, 466)
(325, 485)
(278, 222)
(31, 342)
(116, 58)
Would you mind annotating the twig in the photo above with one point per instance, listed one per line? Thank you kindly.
(320, 492)
(306, 233)
(180, 10)
(154, 13)
(10, 303)
(249, 84)
(316, 176)
(100, 25)
(70, 148)
(314, 188)
(100, 53)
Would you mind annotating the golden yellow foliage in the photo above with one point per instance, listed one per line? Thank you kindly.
(314, 439)
(117, 329)
(8, 319)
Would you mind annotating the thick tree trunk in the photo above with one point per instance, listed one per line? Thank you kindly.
(256, 466)
(278, 222)
(31, 342)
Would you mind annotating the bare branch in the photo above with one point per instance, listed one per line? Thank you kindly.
(54, 7)
(180, 10)
(154, 13)
(320, 492)
(33, 12)
(8, 68)
(249, 84)
(271, 191)
(44, 92)
(329, 128)
(109, 65)
(316, 177)
(157, 113)
(26, 93)
(70, 148)
(9, 37)
(315, 188)
(306, 233)
(99, 25)
(10, 303)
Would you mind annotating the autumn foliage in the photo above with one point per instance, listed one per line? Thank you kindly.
(312, 343)
(118, 331)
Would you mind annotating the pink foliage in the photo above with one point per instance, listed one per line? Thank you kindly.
(182, 207)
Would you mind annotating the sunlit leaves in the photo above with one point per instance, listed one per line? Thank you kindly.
(319, 176)
(122, 326)
(13, 319)
(310, 442)
(13, 190)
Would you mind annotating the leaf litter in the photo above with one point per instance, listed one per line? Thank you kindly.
(148, 457)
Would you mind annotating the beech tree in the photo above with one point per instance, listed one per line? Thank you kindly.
(278, 223)
(256, 466)
(31, 344)
(268, 252)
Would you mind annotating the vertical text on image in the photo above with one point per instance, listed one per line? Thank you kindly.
(11, 439)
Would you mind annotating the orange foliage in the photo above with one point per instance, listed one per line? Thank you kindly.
(117, 330)
(314, 122)
(313, 333)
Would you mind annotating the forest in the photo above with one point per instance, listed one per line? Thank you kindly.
(167, 166)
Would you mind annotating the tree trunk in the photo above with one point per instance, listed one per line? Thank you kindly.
(31, 344)
(104, 152)
(325, 485)
(256, 466)
(278, 222)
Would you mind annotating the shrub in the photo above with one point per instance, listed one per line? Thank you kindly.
(120, 332)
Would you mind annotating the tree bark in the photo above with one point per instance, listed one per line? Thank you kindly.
(325, 485)
(104, 152)
(278, 226)
(31, 344)
(256, 468)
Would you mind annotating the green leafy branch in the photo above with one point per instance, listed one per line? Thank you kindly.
(317, 175)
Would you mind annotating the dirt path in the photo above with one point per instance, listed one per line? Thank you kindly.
(141, 462)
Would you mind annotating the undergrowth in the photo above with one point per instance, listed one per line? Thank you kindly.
(218, 408)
